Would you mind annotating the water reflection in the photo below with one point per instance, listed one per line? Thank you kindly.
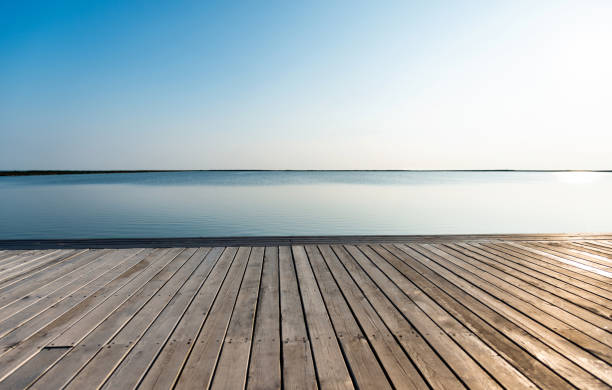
(303, 203)
(580, 177)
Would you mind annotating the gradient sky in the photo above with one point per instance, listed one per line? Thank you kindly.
(306, 85)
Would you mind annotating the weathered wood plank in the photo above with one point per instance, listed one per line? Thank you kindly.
(28, 286)
(579, 373)
(35, 261)
(587, 251)
(533, 318)
(455, 345)
(200, 364)
(430, 364)
(592, 274)
(25, 258)
(530, 303)
(72, 308)
(464, 309)
(164, 371)
(233, 364)
(600, 246)
(362, 362)
(110, 354)
(134, 366)
(583, 258)
(17, 273)
(561, 364)
(575, 303)
(12, 256)
(407, 312)
(332, 371)
(265, 363)
(558, 277)
(33, 368)
(93, 333)
(21, 310)
(396, 363)
(298, 365)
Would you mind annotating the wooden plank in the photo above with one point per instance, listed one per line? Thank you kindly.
(362, 361)
(163, 372)
(26, 288)
(584, 249)
(265, 364)
(531, 315)
(432, 367)
(549, 262)
(438, 275)
(518, 314)
(584, 258)
(115, 259)
(396, 363)
(201, 362)
(601, 246)
(581, 358)
(464, 366)
(569, 273)
(566, 255)
(573, 303)
(33, 325)
(332, 371)
(33, 368)
(110, 354)
(11, 256)
(602, 277)
(604, 243)
(548, 274)
(23, 265)
(97, 314)
(20, 259)
(97, 333)
(495, 366)
(28, 307)
(15, 274)
(298, 365)
(461, 306)
(134, 365)
(544, 306)
(233, 363)
(75, 306)
(26, 291)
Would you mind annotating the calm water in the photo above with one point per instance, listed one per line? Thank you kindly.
(303, 203)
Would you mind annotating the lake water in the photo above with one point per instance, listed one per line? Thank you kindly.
(200, 204)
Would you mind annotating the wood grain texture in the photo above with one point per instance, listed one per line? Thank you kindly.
(367, 312)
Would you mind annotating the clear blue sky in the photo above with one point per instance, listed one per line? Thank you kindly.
(314, 85)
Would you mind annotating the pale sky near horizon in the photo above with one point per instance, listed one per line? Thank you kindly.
(312, 85)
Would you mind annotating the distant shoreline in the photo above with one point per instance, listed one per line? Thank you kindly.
(85, 172)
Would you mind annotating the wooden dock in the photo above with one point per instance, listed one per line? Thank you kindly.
(414, 312)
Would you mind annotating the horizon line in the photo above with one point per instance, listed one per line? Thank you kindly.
(84, 172)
